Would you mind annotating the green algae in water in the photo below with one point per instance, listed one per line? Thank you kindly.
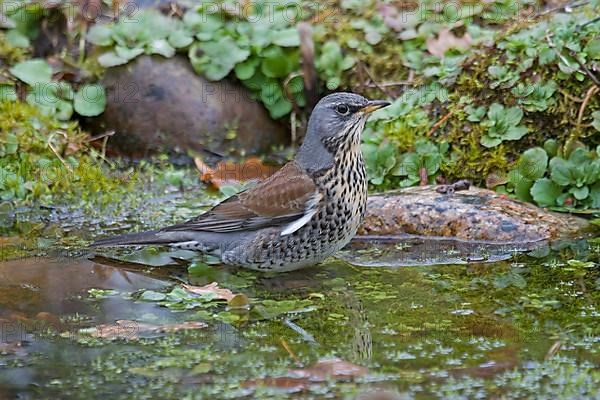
(462, 331)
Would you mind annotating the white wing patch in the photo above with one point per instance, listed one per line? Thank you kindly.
(309, 211)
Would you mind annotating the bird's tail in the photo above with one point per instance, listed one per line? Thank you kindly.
(143, 238)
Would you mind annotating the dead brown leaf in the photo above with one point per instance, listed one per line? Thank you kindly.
(494, 180)
(446, 40)
(222, 293)
(231, 173)
(301, 379)
(128, 329)
(331, 368)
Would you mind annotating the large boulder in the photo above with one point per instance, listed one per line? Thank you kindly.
(155, 103)
(472, 215)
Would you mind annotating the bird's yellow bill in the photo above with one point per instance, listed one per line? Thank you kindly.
(374, 105)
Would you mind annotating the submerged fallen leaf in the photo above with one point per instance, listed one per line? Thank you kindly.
(211, 288)
(301, 379)
(231, 173)
(128, 329)
(445, 41)
(331, 368)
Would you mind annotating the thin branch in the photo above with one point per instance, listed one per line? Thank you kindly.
(592, 90)
(587, 71)
(377, 85)
(566, 8)
(436, 126)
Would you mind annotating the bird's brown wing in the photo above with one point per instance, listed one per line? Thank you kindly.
(287, 196)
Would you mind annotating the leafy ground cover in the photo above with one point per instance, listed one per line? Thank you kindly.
(475, 85)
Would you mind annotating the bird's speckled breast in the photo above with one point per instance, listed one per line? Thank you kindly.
(340, 213)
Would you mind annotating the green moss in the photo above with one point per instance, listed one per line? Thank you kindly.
(45, 160)
(8, 53)
(521, 71)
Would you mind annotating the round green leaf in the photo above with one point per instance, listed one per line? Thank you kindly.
(545, 192)
(533, 163)
(287, 38)
(100, 35)
(111, 59)
(35, 71)
(580, 193)
(277, 65)
(90, 100)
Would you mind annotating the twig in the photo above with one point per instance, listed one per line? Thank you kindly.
(553, 350)
(56, 153)
(591, 21)
(286, 346)
(390, 84)
(293, 127)
(377, 85)
(558, 53)
(570, 96)
(587, 71)
(100, 136)
(439, 123)
(566, 8)
(288, 93)
(592, 90)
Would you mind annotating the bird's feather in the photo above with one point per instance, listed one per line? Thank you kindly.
(285, 197)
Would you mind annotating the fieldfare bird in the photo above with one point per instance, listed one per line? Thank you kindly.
(299, 216)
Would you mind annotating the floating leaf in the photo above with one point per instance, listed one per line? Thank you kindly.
(212, 289)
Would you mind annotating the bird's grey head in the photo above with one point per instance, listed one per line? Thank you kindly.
(336, 121)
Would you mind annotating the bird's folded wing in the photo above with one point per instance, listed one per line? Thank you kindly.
(286, 197)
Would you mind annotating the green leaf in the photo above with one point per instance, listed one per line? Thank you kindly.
(522, 186)
(545, 192)
(64, 110)
(127, 53)
(580, 193)
(180, 39)
(596, 121)
(594, 196)
(560, 171)
(593, 49)
(276, 64)
(280, 108)
(17, 39)
(510, 279)
(245, 70)
(287, 37)
(217, 59)
(162, 47)
(488, 141)
(409, 165)
(533, 163)
(111, 59)
(551, 147)
(150, 295)
(32, 72)
(100, 35)
(514, 115)
(515, 133)
(90, 100)
(11, 143)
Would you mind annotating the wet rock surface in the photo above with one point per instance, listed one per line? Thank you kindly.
(162, 104)
(474, 215)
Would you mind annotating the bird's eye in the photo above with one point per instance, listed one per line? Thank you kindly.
(342, 109)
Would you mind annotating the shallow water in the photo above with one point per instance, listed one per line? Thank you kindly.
(410, 319)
